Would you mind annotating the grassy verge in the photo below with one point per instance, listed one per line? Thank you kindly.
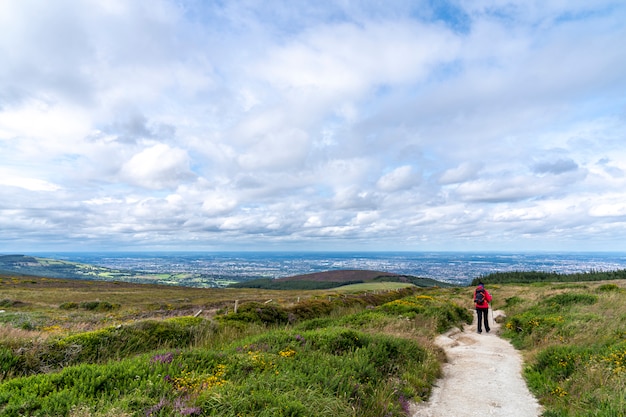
(574, 339)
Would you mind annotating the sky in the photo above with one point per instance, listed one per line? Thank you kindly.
(415, 125)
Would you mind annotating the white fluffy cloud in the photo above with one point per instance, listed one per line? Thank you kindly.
(158, 166)
(183, 124)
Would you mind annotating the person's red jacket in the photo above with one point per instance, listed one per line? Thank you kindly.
(484, 304)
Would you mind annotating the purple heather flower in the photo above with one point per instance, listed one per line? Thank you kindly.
(164, 358)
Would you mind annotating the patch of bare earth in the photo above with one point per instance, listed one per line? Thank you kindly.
(482, 377)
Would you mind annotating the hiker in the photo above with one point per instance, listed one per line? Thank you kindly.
(482, 298)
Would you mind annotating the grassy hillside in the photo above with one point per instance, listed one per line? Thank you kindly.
(91, 348)
(573, 336)
(55, 268)
(335, 279)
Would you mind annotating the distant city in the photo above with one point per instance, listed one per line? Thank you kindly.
(452, 267)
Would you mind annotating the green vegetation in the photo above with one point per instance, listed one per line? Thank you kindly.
(327, 372)
(574, 339)
(92, 348)
(113, 349)
(520, 277)
(372, 286)
(272, 284)
(54, 268)
(337, 279)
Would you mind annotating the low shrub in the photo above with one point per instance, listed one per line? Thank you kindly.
(254, 312)
(513, 301)
(527, 329)
(570, 298)
(98, 306)
(271, 314)
(445, 313)
(101, 306)
(11, 303)
(109, 343)
(331, 372)
(608, 288)
(310, 309)
(8, 362)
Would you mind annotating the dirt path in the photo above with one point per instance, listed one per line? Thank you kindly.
(481, 378)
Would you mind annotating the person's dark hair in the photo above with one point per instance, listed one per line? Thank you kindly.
(481, 283)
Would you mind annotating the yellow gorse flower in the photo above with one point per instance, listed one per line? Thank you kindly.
(287, 353)
(559, 392)
(192, 383)
(616, 361)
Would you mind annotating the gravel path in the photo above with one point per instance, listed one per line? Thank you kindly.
(481, 378)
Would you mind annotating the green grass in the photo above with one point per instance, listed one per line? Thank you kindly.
(326, 372)
(574, 339)
(86, 348)
(113, 349)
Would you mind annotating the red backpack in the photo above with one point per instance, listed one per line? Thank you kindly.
(479, 296)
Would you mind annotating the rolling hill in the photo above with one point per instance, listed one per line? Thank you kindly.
(337, 278)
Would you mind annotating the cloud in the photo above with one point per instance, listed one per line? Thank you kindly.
(400, 178)
(276, 151)
(464, 172)
(495, 124)
(330, 59)
(31, 184)
(555, 167)
(158, 166)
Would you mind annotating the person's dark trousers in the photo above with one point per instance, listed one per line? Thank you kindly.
(483, 317)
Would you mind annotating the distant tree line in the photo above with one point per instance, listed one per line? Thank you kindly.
(521, 277)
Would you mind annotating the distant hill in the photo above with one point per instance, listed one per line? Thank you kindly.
(54, 268)
(337, 278)
(343, 275)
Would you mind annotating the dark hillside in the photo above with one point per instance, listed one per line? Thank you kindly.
(334, 279)
(344, 276)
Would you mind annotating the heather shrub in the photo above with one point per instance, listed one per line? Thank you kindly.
(445, 313)
(107, 343)
(329, 372)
